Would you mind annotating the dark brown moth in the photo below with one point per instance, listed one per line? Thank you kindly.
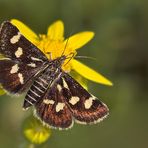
(59, 100)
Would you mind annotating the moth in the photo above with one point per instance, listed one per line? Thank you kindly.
(58, 99)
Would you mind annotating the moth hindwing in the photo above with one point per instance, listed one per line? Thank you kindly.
(67, 101)
(59, 100)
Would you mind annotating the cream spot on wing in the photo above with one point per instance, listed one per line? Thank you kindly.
(36, 59)
(14, 69)
(74, 100)
(19, 52)
(65, 84)
(59, 87)
(15, 38)
(47, 101)
(32, 65)
(60, 107)
(21, 78)
(88, 103)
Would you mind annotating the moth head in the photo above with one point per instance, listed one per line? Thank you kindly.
(59, 61)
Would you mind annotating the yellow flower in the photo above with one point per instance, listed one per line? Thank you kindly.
(55, 44)
(35, 132)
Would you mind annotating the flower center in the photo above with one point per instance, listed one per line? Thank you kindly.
(55, 48)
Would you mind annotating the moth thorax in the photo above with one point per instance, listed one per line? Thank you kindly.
(59, 61)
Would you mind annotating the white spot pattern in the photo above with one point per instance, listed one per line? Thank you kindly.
(47, 101)
(88, 102)
(74, 100)
(15, 38)
(36, 59)
(19, 52)
(60, 106)
(32, 65)
(65, 84)
(21, 78)
(14, 69)
(59, 87)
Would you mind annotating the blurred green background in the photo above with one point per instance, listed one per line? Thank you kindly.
(120, 47)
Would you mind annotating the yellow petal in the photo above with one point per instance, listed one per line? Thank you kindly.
(89, 73)
(2, 92)
(25, 30)
(79, 78)
(80, 39)
(56, 31)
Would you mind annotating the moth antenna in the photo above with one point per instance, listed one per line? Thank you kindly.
(73, 54)
(69, 55)
(85, 57)
(66, 44)
(65, 47)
